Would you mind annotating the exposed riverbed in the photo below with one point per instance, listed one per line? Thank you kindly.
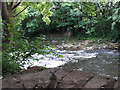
(102, 62)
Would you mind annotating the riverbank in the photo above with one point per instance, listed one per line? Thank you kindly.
(84, 45)
(59, 78)
(60, 41)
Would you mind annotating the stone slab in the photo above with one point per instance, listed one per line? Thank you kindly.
(59, 78)
(100, 82)
(76, 79)
(29, 80)
(11, 83)
(40, 78)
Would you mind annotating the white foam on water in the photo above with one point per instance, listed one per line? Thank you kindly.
(85, 55)
(61, 51)
(51, 61)
(90, 55)
(116, 78)
(46, 63)
(68, 55)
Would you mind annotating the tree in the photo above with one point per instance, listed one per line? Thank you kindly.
(66, 16)
(18, 49)
(8, 12)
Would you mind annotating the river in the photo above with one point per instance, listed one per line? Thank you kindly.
(102, 62)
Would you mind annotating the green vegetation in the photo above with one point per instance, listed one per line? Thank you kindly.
(85, 20)
(16, 47)
(26, 23)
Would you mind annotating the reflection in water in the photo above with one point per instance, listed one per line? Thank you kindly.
(102, 62)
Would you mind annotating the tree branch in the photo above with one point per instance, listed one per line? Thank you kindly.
(16, 5)
(11, 3)
(20, 12)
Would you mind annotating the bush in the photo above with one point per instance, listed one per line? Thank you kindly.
(19, 49)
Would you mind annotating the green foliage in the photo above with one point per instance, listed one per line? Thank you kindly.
(21, 16)
(88, 26)
(20, 49)
(102, 26)
(88, 9)
(33, 24)
(84, 19)
(44, 8)
(66, 15)
(115, 25)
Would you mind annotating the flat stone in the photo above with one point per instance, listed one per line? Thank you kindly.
(11, 83)
(39, 78)
(100, 82)
(28, 80)
(59, 78)
(75, 79)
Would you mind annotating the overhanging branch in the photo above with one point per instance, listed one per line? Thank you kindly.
(20, 12)
(16, 5)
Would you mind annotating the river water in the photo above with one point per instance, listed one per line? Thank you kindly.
(102, 62)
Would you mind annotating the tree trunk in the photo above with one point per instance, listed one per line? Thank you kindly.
(0, 31)
(7, 13)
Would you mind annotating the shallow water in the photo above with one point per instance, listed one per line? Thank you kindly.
(102, 62)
